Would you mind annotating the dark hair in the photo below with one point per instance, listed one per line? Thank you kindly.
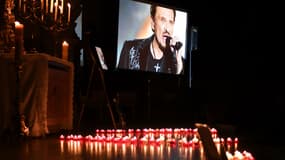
(153, 11)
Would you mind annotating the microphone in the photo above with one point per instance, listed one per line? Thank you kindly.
(177, 45)
(170, 51)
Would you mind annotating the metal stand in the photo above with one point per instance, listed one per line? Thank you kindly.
(94, 65)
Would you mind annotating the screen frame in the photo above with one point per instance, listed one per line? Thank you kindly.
(144, 14)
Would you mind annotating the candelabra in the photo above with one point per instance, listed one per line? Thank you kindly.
(44, 17)
(51, 16)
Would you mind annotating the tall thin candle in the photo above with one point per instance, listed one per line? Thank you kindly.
(19, 30)
(65, 47)
(46, 6)
(51, 6)
(55, 11)
(24, 10)
(42, 5)
(68, 14)
(62, 5)
(56, 1)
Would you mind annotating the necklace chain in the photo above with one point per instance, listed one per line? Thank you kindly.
(153, 52)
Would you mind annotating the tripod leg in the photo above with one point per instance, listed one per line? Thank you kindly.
(87, 94)
(107, 98)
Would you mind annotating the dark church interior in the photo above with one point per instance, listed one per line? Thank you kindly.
(232, 82)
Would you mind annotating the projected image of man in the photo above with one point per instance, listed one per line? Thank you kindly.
(158, 53)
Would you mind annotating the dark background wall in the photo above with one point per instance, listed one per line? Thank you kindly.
(236, 74)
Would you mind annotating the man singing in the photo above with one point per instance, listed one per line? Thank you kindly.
(160, 51)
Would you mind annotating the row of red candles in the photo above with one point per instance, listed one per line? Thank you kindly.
(187, 137)
(154, 137)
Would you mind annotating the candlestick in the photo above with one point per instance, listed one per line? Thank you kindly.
(68, 14)
(65, 46)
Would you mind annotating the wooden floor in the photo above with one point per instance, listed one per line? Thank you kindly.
(53, 149)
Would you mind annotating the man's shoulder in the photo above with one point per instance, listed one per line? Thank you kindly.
(138, 42)
(135, 41)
